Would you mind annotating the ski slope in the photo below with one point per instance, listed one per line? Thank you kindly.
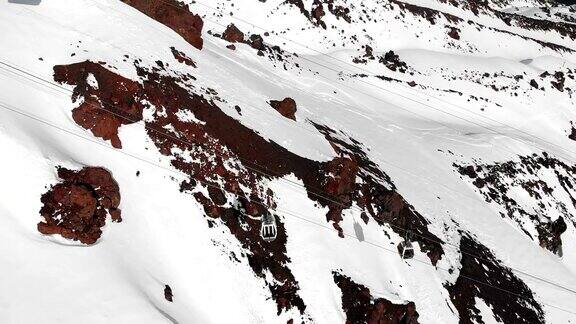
(466, 101)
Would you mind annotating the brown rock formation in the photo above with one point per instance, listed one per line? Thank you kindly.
(182, 58)
(233, 34)
(496, 182)
(175, 15)
(361, 307)
(77, 208)
(482, 276)
(102, 112)
(218, 156)
(286, 107)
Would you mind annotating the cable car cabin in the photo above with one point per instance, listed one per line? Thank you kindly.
(406, 250)
(268, 230)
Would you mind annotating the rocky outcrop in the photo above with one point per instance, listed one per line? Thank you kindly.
(549, 235)
(286, 107)
(354, 178)
(543, 180)
(233, 35)
(393, 62)
(572, 135)
(317, 11)
(182, 58)
(102, 111)
(482, 276)
(175, 15)
(212, 148)
(168, 293)
(77, 207)
(360, 307)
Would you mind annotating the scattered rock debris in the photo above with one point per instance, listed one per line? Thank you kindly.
(501, 182)
(182, 58)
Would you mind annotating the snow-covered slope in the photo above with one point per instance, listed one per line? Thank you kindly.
(451, 119)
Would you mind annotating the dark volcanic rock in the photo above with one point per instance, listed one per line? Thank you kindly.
(361, 307)
(257, 42)
(550, 233)
(317, 12)
(175, 15)
(454, 33)
(286, 107)
(392, 61)
(168, 293)
(77, 208)
(572, 135)
(182, 58)
(483, 276)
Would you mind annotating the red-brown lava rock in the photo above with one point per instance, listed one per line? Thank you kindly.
(175, 15)
(233, 35)
(361, 307)
(102, 112)
(286, 107)
(76, 208)
(215, 153)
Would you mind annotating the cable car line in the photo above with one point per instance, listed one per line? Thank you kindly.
(321, 195)
(285, 212)
(368, 71)
(456, 247)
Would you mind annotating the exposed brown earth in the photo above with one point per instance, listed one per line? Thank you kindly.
(286, 107)
(77, 207)
(361, 307)
(175, 15)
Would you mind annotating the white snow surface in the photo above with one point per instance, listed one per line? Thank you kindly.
(164, 238)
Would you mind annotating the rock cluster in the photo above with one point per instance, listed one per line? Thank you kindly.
(77, 208)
